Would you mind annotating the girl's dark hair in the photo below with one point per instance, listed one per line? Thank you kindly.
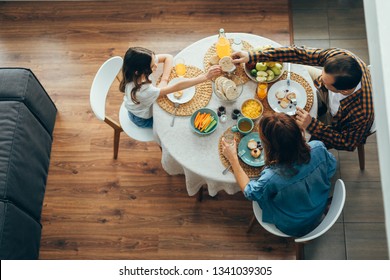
(345, 70)
(283, 141)
(136, 63)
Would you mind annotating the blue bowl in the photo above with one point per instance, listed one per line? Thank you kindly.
(204, 110)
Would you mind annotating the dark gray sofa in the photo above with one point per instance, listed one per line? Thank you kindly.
(27, 118)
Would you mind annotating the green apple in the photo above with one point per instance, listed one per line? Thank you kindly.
(276, 70)
(271, 75)
(262, 74)
(277, 64)
(261, 79)
(260, 66)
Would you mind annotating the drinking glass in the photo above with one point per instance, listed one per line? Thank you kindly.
(180, 67)
(229, 138)
(262, 89)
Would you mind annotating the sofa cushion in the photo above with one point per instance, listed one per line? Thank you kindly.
(20, 235)
(24, 158)
(20, 84)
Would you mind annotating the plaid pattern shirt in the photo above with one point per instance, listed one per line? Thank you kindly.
(352, 123)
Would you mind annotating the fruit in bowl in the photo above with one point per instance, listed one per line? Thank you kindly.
(252, 108)
(204, 121)
(264, 72)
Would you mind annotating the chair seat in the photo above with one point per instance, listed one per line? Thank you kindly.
(135, 132)
(269, 227)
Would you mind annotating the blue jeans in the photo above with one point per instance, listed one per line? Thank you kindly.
(141, 122)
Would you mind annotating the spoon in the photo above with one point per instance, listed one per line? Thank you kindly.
(174, 114)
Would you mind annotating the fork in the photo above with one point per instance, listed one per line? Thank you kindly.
(174, 114)
(240, 154)
(288, 74)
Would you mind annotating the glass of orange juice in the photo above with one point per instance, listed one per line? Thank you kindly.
(180, 66)
(262, 89)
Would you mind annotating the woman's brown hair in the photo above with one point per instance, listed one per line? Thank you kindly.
(136, 64)
(283, 141)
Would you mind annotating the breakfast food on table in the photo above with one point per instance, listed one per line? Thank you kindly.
(226, 63)
(251, 109)
(204, 122)
(280, 94)
(214, 60)
(255, 147)
(252, 144)
(265, 71)
(256, 153)
(284, 103)
(291, 95)
(178, 94)
(226, 88)
(285, 98)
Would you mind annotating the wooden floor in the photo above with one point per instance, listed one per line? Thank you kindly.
(99, 208)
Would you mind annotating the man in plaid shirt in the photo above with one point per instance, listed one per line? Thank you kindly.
(344, 88)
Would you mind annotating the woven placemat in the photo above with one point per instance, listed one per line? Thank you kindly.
(299, 79)
(201, 98)
(239, 76)
(252, 172)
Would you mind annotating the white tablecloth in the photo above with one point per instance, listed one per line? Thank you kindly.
(183, 151)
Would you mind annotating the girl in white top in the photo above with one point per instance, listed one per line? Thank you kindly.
(140, 94)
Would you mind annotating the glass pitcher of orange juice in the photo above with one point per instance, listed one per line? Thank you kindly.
(262, 89)
(223, 45)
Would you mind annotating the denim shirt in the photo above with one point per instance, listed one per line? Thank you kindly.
(295, 204)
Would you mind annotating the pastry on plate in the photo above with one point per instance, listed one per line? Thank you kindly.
(252, 144)
(291, 95)
(280, 94)
(178, 94)
(256, 153)
(284, 103)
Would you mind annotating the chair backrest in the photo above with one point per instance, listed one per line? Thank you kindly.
(373, 126)
(101, 84)
(336, 207)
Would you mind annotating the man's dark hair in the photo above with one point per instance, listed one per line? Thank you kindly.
(345, 70)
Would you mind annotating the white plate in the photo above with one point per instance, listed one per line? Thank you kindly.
(282, 86)
(188, 93)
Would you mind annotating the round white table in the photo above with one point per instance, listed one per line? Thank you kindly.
(195, 156)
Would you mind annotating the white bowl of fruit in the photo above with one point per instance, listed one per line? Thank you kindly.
(264, 72)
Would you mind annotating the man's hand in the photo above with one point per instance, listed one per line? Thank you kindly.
(240, 57)
(303, 118)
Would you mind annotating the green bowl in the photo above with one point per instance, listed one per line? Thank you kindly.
(204, 110)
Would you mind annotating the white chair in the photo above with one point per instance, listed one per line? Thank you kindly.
(330, 218)
(101, 84)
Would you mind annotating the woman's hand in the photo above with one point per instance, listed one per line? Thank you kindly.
(240, 57)
(303, 118)
(214, 71)
(229, 151)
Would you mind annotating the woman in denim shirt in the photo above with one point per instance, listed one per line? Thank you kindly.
(293, 188)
